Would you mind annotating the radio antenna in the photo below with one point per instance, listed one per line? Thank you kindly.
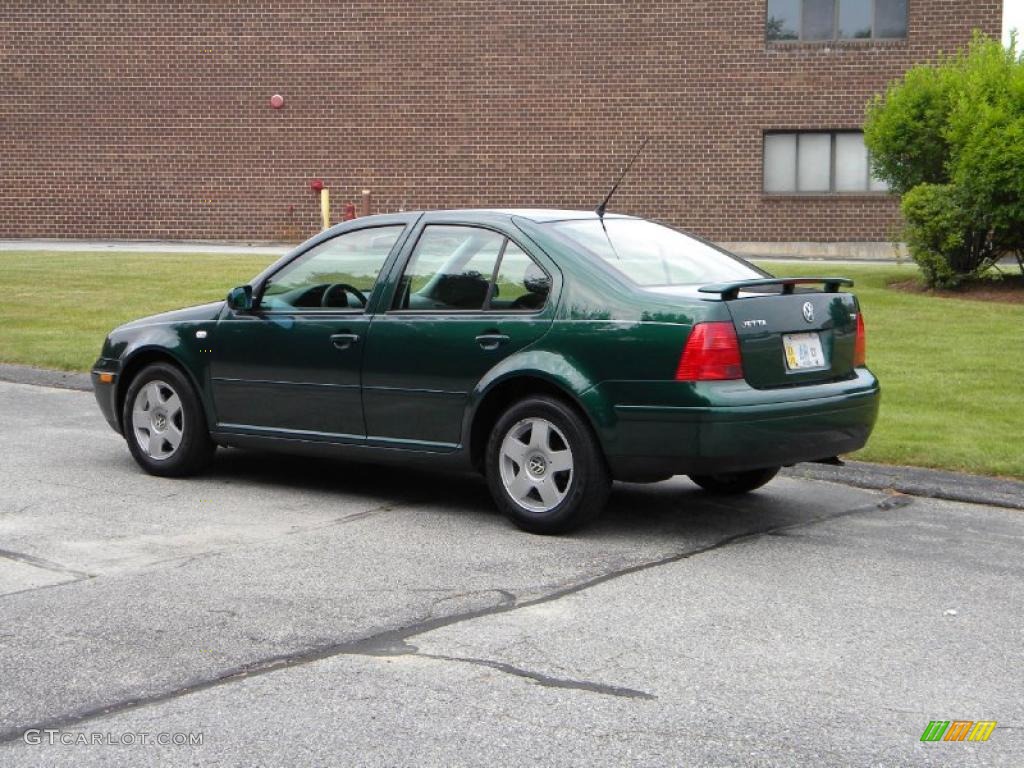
(604, 203)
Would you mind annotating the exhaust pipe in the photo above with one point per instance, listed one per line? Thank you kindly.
(834, 461)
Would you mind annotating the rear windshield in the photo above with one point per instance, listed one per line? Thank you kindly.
(650, 254)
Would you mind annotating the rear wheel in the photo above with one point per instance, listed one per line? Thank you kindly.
(544, 467)
(164, 423)
(733, 483)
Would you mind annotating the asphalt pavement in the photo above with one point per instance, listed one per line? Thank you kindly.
(289, 611)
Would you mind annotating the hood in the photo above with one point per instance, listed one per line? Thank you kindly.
(196, 314)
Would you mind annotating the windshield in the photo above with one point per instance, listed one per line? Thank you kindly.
(650, 254)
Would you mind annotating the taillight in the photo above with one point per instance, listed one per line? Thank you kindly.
(860, 346)
(712, 353)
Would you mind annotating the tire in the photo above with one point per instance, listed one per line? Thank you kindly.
(164, 423)
(551, 484)
(735, 483)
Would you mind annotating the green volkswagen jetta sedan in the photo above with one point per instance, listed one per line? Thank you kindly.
(553, 351)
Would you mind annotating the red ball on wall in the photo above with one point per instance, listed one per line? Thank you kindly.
(277, 101)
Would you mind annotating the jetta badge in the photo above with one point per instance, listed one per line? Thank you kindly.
(808, 312)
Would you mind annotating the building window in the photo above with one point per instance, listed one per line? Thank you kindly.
(818, 163)
(824, 20)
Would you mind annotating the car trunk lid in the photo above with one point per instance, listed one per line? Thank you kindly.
(790, 334)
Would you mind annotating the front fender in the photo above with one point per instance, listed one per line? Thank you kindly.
(177, 342)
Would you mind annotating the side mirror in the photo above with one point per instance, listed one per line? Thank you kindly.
(240, 299)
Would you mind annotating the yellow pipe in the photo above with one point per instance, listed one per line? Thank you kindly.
(325, 207)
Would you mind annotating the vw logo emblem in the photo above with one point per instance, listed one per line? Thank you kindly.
(808, 312)
(537, 465)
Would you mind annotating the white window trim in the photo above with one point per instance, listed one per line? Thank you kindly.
(831, 191)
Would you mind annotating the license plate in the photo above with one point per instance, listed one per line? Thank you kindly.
(803, 351)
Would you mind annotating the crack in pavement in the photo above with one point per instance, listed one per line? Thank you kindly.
(407, 649)
(102, 492)
(507, 598)
(47, 565)
(183, 560)
(541, 679)
(16, 511)
(394, 641)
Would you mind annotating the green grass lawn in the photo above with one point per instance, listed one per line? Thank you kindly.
(57, 307)
(951, 369)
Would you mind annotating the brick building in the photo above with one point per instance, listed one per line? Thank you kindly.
(153, 119)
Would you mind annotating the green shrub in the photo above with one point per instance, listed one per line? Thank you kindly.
(940, 236)
(949, 138)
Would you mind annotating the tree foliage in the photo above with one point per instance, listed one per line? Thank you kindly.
(949, 138)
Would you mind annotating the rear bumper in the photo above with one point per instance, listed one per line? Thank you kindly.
(649, 441)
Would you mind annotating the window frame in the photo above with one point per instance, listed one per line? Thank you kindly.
(800, 40)
(266, 280)
(832, 191)
(486, 308)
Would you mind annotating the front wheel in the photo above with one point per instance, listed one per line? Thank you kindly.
(734, 483)
(544, 467)
(164, 423)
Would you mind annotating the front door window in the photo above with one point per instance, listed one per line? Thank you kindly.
(293, 365)
(337, 274)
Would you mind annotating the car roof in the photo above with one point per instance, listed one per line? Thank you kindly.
(539, 215)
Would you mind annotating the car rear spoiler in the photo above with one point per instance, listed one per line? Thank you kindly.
(729, 291)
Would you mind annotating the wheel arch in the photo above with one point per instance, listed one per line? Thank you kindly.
(138, 359)
(492, 399)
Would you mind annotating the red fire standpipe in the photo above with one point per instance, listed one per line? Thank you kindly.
(350, 212)
(320, 189)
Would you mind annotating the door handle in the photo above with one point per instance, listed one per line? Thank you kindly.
(344, 340)
(491, 340)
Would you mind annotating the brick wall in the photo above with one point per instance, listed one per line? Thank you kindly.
(151, 119)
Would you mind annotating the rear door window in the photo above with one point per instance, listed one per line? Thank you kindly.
(450, 270)
(521, 284)
(456, 268)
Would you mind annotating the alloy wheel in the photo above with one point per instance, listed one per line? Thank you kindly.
(158, 421)
(536, 464)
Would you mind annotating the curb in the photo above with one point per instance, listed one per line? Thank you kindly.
(44, 377)
(206, 247)
(914, 481)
